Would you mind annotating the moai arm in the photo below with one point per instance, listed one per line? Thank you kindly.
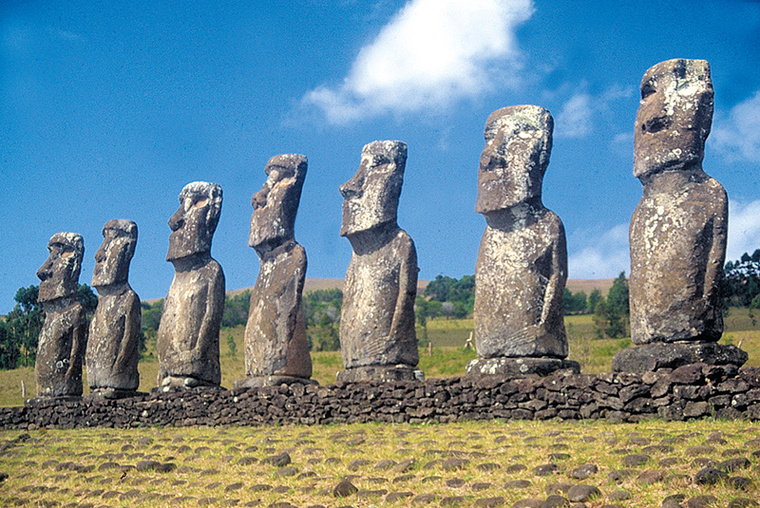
(289, 303)
(557, 278)
(131, 329)
(78, 344)
(407, 287)
(717, 255)
(214, 308)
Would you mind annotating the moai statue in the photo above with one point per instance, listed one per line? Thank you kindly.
(188, 335)
(377, 336)
(679, 228)
(522, 264)
(63, 337)
(276, 350)
(112, 347)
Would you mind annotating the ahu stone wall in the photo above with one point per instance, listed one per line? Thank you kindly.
(688, 392)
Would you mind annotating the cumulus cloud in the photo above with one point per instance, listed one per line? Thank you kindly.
(430, 55)
(743, 228)
(603, 257)
(577, 117)
(737, 135)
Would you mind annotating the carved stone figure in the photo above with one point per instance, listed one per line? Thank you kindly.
(61, 344)
(276, 349)
(188, 335)
(112, 346)
(679, 228)
(377, 335)
(522, 264)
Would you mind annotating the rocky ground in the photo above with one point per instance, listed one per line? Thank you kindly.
(519, 464)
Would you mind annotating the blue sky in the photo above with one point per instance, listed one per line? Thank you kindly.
(109, 108)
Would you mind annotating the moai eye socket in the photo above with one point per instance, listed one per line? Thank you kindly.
(647, 89)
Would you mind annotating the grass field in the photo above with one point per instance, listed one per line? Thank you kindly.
(489, 463)
(448, 358)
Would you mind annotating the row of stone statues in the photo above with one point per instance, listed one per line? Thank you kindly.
(677, 239)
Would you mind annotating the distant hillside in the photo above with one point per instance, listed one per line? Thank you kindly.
(315, 284)
(588, 285)
(574, 285)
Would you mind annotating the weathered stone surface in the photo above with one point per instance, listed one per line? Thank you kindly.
(679, 228)
(519, 367)
(112, 346)
(522, 264)
(377, 318)
(399, 372)
(655, 356)
(275, 335)
(188, 335)
(61, 343)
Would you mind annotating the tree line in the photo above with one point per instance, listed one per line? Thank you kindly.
(21, 328)
(444, 297)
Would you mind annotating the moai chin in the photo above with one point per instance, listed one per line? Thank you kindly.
(276, 349)
(377, 336)
(61, 345)
(188, 335)
(112, 347)
(678, 230)
(522, 264)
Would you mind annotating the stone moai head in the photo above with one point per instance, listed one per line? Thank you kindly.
(371, 196)
(276, 204)
(674, 116)
(59, 275)
(513, 163)
(194, 223)
(114, 255)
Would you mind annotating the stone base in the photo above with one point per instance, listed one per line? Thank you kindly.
(519, 367)
(46, 400)
(173, 384)
(111, 394)
(383, 373)
(651, 357)
(260, 381)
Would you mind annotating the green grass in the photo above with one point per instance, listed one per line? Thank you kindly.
(66, 467)
(448, 359)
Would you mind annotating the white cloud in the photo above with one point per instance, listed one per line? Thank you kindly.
(737, 136)
(575, 117)
(431, 54)
(743, 228)
(603, 257)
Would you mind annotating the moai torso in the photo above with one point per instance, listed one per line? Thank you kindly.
(519, 280)
(188, 335)
(61, 343)
(679, 228)
(275, 335)
(522, 263)
(112, 347)
(276, 331)
(377, 318)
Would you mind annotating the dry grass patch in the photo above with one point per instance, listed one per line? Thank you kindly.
(390, 465)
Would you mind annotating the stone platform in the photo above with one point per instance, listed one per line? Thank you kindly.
(260, 381)
(519, 367)
(383, 373)
(652, 357)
